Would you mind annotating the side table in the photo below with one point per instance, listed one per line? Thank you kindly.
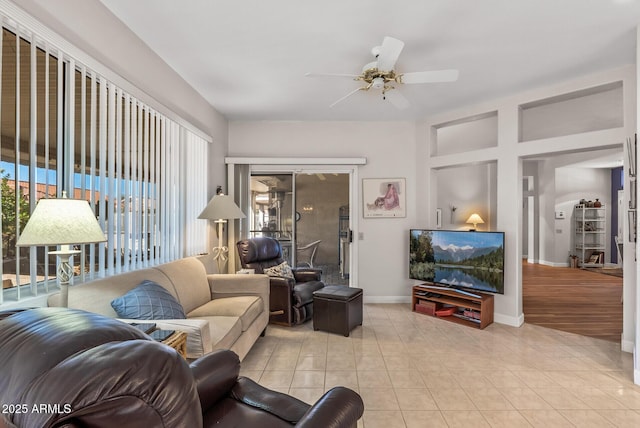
(178, 341)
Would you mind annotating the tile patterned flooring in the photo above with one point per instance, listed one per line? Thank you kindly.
(415, 371)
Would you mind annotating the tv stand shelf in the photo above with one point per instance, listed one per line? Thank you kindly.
(479, 305)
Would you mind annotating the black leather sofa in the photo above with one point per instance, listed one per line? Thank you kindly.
(290, 299)
(69, 368)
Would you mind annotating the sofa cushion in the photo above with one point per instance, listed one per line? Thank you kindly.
(247, 308)
(148, 301)
(96, 296)
(283, 269)
(189, 279)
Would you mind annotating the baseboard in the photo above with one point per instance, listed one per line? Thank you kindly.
(553, 264)
(508, 320)
(626, 345)
(386, 299)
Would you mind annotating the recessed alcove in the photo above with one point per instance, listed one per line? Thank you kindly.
(590, 109)
(466, 189)
(466, 134)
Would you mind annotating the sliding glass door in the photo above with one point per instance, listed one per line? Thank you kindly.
(308, 212)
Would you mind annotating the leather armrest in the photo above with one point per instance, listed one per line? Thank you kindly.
(307, 274)
(337, 408)
(284, 406)
(215, 375)
(281, 281)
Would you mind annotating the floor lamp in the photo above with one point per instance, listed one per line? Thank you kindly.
(62, 222)
(220, 209)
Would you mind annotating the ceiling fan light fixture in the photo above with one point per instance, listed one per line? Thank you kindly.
(377, 83)
(381, 74)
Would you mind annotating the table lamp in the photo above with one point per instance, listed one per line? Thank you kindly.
(476, 220)
(220, 209)
(63, 222)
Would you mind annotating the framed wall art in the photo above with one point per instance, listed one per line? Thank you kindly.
(384, 197)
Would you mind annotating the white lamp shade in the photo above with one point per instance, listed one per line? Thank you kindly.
(475, 219)
(221, 207)
(61, 221)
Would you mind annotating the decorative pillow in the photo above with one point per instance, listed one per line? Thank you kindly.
(148, 301)
(283, 269)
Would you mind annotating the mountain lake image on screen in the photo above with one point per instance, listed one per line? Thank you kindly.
(458, 259)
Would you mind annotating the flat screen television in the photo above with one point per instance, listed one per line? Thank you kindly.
(458, 259)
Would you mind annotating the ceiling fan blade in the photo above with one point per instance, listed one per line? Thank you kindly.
(389, 53)
(429, 76)
(347, 96)
(353, 76)
(397, 99)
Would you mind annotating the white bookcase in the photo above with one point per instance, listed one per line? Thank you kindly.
(590, 234)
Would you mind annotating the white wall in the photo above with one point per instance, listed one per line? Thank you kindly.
(561, 186)
(509, 155)
(390, 151)
(467, 188)
(573, 184)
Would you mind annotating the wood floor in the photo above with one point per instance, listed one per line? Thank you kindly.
(573, 300)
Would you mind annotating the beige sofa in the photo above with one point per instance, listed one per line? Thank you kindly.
(224, 311)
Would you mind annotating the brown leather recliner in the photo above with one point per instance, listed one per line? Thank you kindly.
(68, 368)
(290, 300)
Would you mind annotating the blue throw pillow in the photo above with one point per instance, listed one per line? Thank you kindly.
(148, 301)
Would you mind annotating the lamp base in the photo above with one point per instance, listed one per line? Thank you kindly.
(64, 272)
(221, 252)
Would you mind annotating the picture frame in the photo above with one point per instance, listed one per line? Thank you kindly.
(384, 197)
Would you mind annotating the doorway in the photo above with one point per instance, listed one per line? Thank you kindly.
(551, 242)
(309, 214)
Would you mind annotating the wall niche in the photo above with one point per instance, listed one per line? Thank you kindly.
(591, 109)
(466, 134)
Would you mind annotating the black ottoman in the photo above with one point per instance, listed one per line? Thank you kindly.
(337, 309)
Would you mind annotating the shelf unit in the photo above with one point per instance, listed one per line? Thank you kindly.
(431, 296)
(590, 234)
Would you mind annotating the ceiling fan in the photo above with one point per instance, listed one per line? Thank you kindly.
(380, 74)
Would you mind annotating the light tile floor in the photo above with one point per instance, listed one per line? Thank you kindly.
(416, 371)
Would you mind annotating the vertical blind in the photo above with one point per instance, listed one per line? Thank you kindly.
(66, 127)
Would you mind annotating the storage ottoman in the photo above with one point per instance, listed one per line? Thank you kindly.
(337, 309)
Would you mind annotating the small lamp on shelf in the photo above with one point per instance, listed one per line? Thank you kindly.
(475, 219)
(220, 209)
(63, 222)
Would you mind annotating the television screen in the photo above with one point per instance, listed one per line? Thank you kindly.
(459, 259)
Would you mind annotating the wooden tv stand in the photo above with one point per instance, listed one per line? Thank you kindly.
(426, 298)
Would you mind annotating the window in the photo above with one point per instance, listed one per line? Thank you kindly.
(67, 128)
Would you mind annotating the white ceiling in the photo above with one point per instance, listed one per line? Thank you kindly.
(248, 58)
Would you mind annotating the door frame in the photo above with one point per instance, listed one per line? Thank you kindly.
(302, 166)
